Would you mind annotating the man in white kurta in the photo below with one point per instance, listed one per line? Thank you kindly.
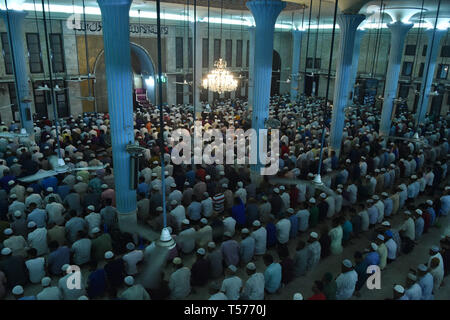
(180, 281)
(346, 281)
(254, 286)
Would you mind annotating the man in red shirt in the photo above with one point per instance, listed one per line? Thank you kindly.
(318, 291)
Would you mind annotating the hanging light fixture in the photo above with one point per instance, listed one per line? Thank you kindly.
(220, 80)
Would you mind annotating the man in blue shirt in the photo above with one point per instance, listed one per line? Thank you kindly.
(143, 187)
(293, 218)
(271, 233)
(373, 257)
(272, 275)
(238, 212)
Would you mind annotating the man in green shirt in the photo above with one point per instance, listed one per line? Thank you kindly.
(101, 243)
(313, 213)
(329, 286)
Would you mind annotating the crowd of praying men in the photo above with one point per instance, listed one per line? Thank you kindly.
(51, 227)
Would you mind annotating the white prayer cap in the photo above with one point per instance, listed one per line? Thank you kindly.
(154, 174)
(130, 246)
(91, 207)
(398, 288)
(173, 185)
(374, 246)
(83, 298)
(65, 267)
(375, 197)
(208, 177)
(6, 251)
(348, 161)
(129, 280)
(407, 212)
(45, 282)
(17, 290)
(80, 178)
(205, 194)
(31, 224)
(314, 235)
(256, 223)
(155, 162)
(386, 223)
(95, 230)
(414, 177)
(109, 255)
(422, 267)
(380, 237)
(211, 245)
(276, 190)
(176, 261)
(323, 195)
(245, 231)
(368, 176)
(251, 266)
(185, 221)
(385, 194)
(8, 231)
(224, 185)
(419, 212)
(264, 198)
(13, 196)
(227, 234)
(312, 200)
(340, 186)
(232, 268)
(347, 263)
(290, 210)
(160, 209)
(10, 182)
(339, 190)
(222, 173)
(104, 186)
(435, 249)
(282, 188)
(29, 189)
(429, 202)
(49, 189)
(174, 202)
(412, 277)
(204, 220)
(310, 175)
(155, 187)
(297, 296)
(201, 251)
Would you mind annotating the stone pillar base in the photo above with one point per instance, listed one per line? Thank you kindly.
(128, 222)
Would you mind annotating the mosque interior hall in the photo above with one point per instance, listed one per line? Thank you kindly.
(224, 150)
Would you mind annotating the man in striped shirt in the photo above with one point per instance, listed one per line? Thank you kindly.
(219, 202)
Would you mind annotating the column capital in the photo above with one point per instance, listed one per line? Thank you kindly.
(348, 22)
(297, 33)
(114, 3)
(438, 33)
(265, 11)
(400, 28)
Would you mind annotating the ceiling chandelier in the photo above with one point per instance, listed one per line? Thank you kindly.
(220, 80)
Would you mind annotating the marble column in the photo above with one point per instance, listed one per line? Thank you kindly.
(251, 64)
(348, 23)
(265, 13)
(197, 42)
(116, 39)
(355, 61)
(429, 69)
(14, 22)
(296, 50)
(399, 30)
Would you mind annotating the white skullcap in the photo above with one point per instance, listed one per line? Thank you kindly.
(422, 267)
(347, 263)
(407, 212)
(312, 200)
(49, 189)
(435, 249)
(386, 223)
(204, 220)
(13, 196)
(348, 161)
(339, 190)
(245, 231)
(374, 246)
(130, 246)
(290, 210)
(129, 280)
(251, 266)
(104, 186)
(412, 277)
(185, 221)
(174, 202)
(211, 245)
(45, 282)
(31, 224)
(205, 194)
(375, 197)
(398, 288)
(297, 296)
(414, 177)
(208, 177)
(91, 207)
(201, 251)
(173, 185)
(227, 234)
(109, 255)
(276, 190)
(176, 260)
(222, 173)
(282, 188)
(155, 187)
(17, 290)
(83, 298)
(256, 223)
(154, 174)
(6, 251)
(29, 189)
(10, 182)
(155, 162)
(429, 202)
(314, 235)
(232, 268)
(8, 231)
(380, 237)
(377, 170)
(160, 209)
(384, 194)
(95, 230)
(419, 212)
(80, 178)
(65, 267)
(224, 185)
(323, 195)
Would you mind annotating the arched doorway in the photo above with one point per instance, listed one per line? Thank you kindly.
(276, 74)
(143, 76)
